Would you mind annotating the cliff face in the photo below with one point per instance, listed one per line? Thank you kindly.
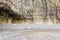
(35, 11)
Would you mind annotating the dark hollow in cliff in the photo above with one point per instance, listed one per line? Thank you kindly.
(7, 12)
